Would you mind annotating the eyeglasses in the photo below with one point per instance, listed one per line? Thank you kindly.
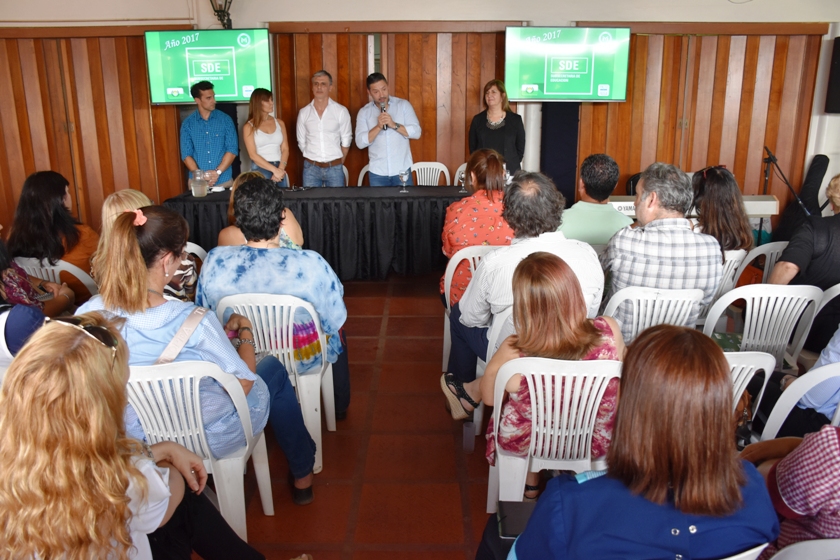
(705, 169)
(101, 334)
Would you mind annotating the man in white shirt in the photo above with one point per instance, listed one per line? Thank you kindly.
(324, 135)
(533, 208)
(384, 126)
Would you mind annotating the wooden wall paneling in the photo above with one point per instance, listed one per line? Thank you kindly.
(341, 78)
(19, 100)
(685, 99)
(414, 72)
(622, 132)
(669, 94)
(732, 101)
(30, 72)
(74, 137)
(358, 96)
(128, 140)
(316, 55)
(611, 132)
(428, 111)
(713, 155)
(474, 88)
(653, 91)
(12, 168)
(701, 113)
(389, 63)
(774, 103)
(758, 123)
(585, 129)
(103, 130)
(806, 102)
(55, 114)
(443, 108)
(165, 128)
(329, 56)
(284, 97)
(142, 119)
(598, 141)
(113, 113)
(459, 145)
(488, 57)
(745, 110)
(401, 79)
(639, 62)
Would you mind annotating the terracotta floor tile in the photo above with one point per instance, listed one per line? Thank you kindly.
(477, 465)
(361, 349)
(423, 306)
(361, 376)
(357, 413)
(365, 289)
(403, 554)
(410, 377)
(393, 513)
(412, 350)
(478, 510)
(421, 289)
(341, 454)
(416, 326)
(363, 326)
(410, 458)
(365, 306)
(417, 413)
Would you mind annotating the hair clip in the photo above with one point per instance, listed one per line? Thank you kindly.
(139, 218)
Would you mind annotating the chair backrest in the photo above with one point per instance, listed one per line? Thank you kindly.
(750, 554)
(462, 167)
(565, 396)
(771, 315)
(473, 256)
(771, 252)
(731, 263)
(829, 295)
(428, 173)
(742, 367)
(792, 395)
(196, 250)
(346, 175)
(496, 330)
(49, 272)
(273, 317)
(652, 306)
(167, 401)
(819, 549)
(362, 175)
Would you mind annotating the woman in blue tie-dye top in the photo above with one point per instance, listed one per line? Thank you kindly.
(262, 265)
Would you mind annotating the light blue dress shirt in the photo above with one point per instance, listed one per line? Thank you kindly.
(825, 396)
(390, 152)
(207, 141)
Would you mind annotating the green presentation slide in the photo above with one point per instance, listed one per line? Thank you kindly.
(566, 63)
(236, 61)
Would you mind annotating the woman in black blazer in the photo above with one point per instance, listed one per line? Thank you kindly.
(498, 128)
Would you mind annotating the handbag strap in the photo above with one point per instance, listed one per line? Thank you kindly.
(182, 336)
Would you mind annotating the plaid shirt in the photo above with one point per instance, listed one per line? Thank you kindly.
(805, 490)
(208, 141)
(664, 254)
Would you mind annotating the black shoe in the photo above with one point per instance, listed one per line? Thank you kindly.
(339, 416)
(302, 496)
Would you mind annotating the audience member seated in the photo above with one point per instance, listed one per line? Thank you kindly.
(182, 284)
(802, 477)
(19, 288)
(476, 219)
(263, 265)
(533, 208)
(813, 258)
(542, 284)
(592, 219)
(44, 229)
(83, 489)
(663, 252)
(674, 487)
(291, 236)
(720, 208)
(143, 250)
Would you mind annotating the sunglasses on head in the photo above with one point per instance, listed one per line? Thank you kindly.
(705, 169)
(99, 333)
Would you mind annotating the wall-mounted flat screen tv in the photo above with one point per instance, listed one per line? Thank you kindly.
(236, 61)
(566, 63)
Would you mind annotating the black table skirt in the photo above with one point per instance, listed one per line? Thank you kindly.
(362, 232)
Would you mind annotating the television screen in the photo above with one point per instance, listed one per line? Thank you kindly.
(236, 61)
(566, 63)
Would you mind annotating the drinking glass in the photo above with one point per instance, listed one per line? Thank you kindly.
(404, 175)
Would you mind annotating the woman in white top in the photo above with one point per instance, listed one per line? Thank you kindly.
(265, 138)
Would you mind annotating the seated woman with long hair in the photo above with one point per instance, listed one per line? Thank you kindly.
(291, 236)
(476, 219)
(549, 316)
(139, 256)
(720, 208)
(44, 228)
(674, 487)
(74, 485)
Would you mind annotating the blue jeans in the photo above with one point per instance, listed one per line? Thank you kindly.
(314, 176)
(286, 418)
(284, 184)
(388, 181)
(468, 344)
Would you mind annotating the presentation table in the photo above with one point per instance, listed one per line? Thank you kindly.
(363, 232)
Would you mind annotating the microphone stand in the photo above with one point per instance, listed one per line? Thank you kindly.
(771, 160)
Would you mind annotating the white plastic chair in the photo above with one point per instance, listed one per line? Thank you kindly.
(462, 167)
(561, 426)
(428, 173)
(743, 366)
(771, 252)
(272, 317)
(362, 175)
(731, 263)
(792, 394)
(652, 306)
(806, 357)
(473, 256)
(819, 549)
(493, 335)
(750, 554)
(346, 175)
(49, 272)
(772, 313)
(168, 403)
(196, 250)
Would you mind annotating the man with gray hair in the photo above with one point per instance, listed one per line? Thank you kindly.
(662, 251)
(324, 135)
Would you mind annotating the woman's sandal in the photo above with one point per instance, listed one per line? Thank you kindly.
(447, 381)
(529, 488)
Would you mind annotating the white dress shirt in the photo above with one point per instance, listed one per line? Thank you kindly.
(491, 289)
(321, 138)
(390, 152)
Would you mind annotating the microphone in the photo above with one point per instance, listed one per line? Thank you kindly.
(772, 159)
(770, 155)
(383, 110)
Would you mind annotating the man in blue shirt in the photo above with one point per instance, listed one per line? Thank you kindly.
(208, 137)
(384, 126)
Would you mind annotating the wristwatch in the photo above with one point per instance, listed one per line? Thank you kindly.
(397, 126)
(218, 171)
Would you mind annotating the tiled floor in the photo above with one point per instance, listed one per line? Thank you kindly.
(396, 482)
